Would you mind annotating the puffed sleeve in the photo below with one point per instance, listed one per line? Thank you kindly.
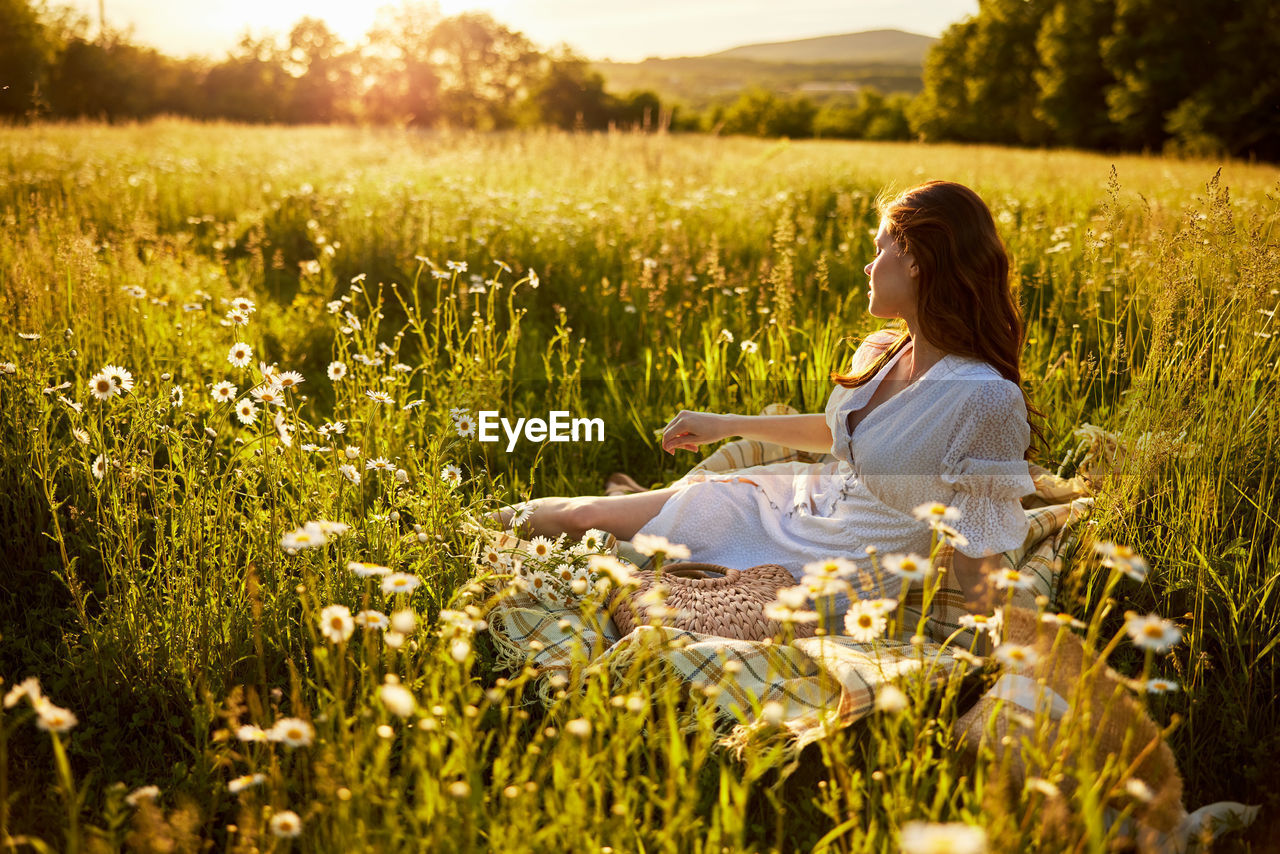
(984, 465)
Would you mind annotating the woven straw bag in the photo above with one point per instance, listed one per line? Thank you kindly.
(731, 606)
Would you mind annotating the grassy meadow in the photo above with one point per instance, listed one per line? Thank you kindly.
(146, 586)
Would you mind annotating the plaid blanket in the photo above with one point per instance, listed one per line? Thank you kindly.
(811, 685)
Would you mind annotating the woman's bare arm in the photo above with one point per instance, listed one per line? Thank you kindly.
(688, 430)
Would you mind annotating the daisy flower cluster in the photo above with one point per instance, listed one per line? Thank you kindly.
(312, 535)
(50, 717)
(110, 382)
(560, 571)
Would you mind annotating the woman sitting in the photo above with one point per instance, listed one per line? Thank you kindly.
(930, 411)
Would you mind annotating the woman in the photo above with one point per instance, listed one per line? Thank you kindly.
(930, 413)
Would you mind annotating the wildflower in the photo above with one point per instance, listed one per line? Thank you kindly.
(71, 403)
(8, 368)
(81, 436)
(402, 368)
(223, 392)
(293, 732)
(53, 718)
(142, 793)
(821, 586)
(268, 395)
(100, 467)
(29, 336)
(399, 582)
(243, 304)
(249, 732)
(541, 547)
(286, 824)
(919, 837)
(289, 379)
(1152, 632)
(337, 370)
(459, 649)
(521, 515)
(983, 623)
(394, 640)
(336, 623)
(237, 318)
(284, 430)
(1006, 579)
(935, 511)
(367, 570)
(123, 379)
(239, 784)
(788, 606)
(465, 426)
(651, 544)
(578, 727)
(240, 355)
(379, 396)
(247, 412)
(749, 347)
(1124, 559)
(1043, 786)
(725, 336)
(176, 397)
(404, 621)
(451, 475)
(1015, 656)
(610, 567)
(864, 624)
(303, 538)
(402, 476)
(397, 698)
(891, 699)
(378, 464)
(349, 472)
(457, 266)
(1161, 686)
(534, 281)
(412, 404)
(371, 620)
(1062, 619)
(102, 386)
(908, 567)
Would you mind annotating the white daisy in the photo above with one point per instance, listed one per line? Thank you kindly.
(1012, 579)
(836, 567)
(336, 623)
(100, 467)
(909, 567)
(249, 732)
(289, 379)
(223, 392)
(367, 570)
(102, 386)
(919, 837)
(124, 379)
(864, 623)
(411, 404)
(349, 472)
(399, 582)
(286, 824)
(542, 547)
(379, 396)
(465, 426)
(397, 698)
(337, 370)
(371, 620)
(1152, 632)
(53, 718)
(451, 474)
(1016, 656)
(240, 354)
(378, 464)
(935, 511)
(404, 621)
(239, 784)
(8, 368)
(237, 318)
(1161, 686)
(651, 544)
(268, 395)
(294, 732)
(176, 397)
(749, 347)
(1124, 559)
(247, 411)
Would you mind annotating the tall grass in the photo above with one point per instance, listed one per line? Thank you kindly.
(158, 604)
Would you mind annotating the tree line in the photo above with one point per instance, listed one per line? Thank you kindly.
(1186, 76)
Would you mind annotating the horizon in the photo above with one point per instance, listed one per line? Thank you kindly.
(663, 29)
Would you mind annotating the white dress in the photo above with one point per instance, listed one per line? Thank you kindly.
(956, 434)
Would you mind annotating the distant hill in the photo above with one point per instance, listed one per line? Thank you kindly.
(889, 46)
(821, 68)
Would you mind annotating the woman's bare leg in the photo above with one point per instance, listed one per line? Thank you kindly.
(620, 515)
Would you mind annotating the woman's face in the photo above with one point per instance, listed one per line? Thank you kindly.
(894, 279)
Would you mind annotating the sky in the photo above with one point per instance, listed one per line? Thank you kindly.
(622, 30)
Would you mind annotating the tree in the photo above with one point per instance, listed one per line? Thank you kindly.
(323, 73)
(570, 95)
(484, 68)
(403, 85)
(28, 47)
(759, 112)
(1072, 80)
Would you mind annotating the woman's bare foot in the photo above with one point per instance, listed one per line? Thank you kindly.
(619, 483)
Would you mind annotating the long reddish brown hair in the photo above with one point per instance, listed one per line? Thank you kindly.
(966, 305)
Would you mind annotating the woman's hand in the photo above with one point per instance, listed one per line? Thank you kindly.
(688, 430)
